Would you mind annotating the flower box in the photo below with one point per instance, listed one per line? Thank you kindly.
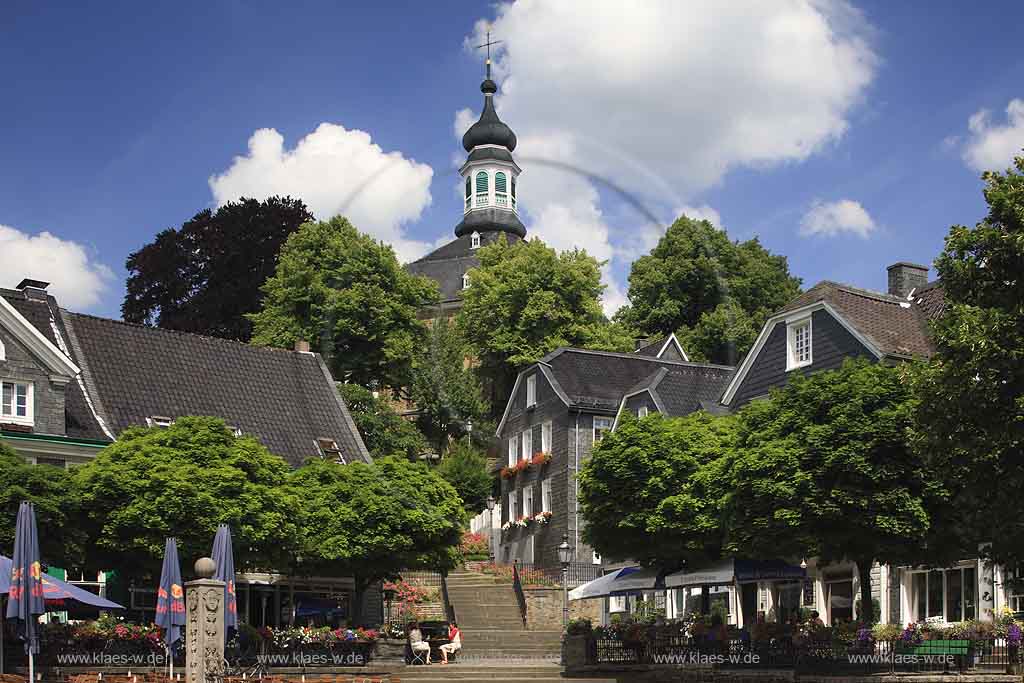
(542, 517)
(540, 459)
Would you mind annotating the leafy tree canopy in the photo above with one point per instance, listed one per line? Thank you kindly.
(60, 539)
(205, 276)
(525, 300)
(183, 481)
(371, 521)
(384, 431)
(347, 295)
(824, 468)
(465, 468)
(695, 271)
(652, 490)
(970, 423)
(446, 391)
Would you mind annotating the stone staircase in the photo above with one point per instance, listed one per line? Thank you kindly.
(512, 672)
(491, 625)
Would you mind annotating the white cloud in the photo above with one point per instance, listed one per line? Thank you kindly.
(335, 171)
(77, 280)
(662, 98)
(834, 218)
(991, 146)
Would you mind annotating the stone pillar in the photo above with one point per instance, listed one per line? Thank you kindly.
(204, 630)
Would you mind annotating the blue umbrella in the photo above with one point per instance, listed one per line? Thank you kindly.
(170, 600)
(25, 598)
(224, 558)
(56, 591)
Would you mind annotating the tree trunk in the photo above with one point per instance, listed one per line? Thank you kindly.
(867, 607)
(358, 591)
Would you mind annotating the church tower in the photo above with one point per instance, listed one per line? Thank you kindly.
(490, 208)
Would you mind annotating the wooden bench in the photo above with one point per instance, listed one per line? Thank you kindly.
(960, 648)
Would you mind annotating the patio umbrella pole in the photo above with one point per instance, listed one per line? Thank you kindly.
(3, 632)
(31, 667)
(170, 661)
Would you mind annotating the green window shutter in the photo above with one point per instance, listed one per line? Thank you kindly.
(481, 183)
(500, 186)
(469, 186)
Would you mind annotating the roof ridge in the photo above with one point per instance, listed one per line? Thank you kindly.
(872, 294)
(165, 330)
(637, 356)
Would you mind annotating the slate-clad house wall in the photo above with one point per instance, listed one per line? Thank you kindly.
(19, 364)
(575, 388)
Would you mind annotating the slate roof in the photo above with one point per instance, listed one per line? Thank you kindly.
(651, 347)
(447, 264)
(600, 379)
(284, 398)
(896, 326)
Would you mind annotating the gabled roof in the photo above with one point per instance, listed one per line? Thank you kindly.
(286, 399)
(681, 390)
(887, 325)
(656, 347)
(598, 380)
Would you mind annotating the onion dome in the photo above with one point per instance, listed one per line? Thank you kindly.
(489, 130)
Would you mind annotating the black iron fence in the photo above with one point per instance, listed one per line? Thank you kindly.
(810, 656)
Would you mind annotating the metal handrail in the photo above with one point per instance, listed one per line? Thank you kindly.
(517, 586)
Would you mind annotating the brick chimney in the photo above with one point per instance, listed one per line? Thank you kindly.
(33, 289)
(905, 277)
(302, 346)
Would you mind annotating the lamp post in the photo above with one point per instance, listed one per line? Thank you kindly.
(490, 529)
(389, 594)
(565, 558)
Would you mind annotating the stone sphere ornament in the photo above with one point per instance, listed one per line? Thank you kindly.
(205, 568)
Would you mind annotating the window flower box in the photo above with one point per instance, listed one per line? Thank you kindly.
(542, 517)
(520, 466)
(522, 522)
(540, 458)
(508, 472)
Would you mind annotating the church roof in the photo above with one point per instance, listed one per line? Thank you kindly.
(489, 130)
(447, 264)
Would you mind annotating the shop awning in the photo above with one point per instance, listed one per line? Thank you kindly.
(620, 582)
(741, 571)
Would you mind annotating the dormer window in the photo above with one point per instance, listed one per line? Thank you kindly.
(798, 347)
(16, 402)
(465, 280)
(328, 449)
(474, 241)
(160, 421)
(531, 391)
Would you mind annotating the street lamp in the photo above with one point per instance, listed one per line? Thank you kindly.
(565, 558)
(490, 529)
(389, 594)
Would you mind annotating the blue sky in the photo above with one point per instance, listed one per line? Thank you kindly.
(850, 153)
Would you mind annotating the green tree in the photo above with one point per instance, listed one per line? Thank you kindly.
(205, 276)
(465, 468)
(824, 468)
(371, 521)
(525, 300)
(384, 431)
(183, 481)
(446, 391)
(691, 273)
(970, 423)
(61, 539)
(345, 293)
(652, 491)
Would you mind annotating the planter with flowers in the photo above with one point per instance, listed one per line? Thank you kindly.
(542, 517)
(540, 458)
(522, 522)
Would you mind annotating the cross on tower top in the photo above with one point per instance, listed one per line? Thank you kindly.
(488, 46)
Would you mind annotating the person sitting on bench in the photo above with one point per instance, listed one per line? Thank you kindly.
(417, 643)
(450, 648)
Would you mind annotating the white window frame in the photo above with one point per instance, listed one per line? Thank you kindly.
(595, 557)
(607, 421)
(513, 447)
(944, 571)
(3, 350)
(527, 451)
(545, 495)
(641, 412)
(545, 437)
(465, 280)
(30, 403)
(513, 505)
(474, 241)
(793, 360)
(528, 501)
(616, 603)
(531, 391)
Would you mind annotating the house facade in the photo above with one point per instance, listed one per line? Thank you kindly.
(71, 383)
(816, 332)
(559, 409)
